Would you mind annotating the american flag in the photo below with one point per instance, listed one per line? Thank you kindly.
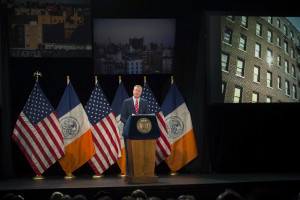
(37, 132)
(105, 131)
(163, 148)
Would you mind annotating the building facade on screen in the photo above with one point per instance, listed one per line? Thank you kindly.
(259, 59)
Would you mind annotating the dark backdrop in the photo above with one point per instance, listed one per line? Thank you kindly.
(230, 138)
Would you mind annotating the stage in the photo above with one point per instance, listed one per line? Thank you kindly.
(202, 186)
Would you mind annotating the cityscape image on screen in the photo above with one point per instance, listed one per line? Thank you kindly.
(46, 28)
(260, 59)
(134, 46)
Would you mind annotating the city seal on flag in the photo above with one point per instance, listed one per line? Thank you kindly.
(175, 127)
(120, 127)
(70, 127)
(144, 125)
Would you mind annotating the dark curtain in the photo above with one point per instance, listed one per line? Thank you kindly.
(5, 106)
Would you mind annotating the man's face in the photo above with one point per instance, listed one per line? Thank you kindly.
(137, 91)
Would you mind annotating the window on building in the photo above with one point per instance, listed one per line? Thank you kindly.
(255, 97)
(285, 47)
(279, 61)
(294, 92)
(244, 22)
(237, 95)
(258, 29)
(293, 71)
(278, 23)
(278, 41)
(269, 99)
(227, 35)
(298, 42)
(257, 50)
(286, 67)
(269, 57)
(243, 40)
(240, 67)
(223, 88)
(279, 83)
(230, 17)
(256, 74)
(287, 88)
(269, 19)
(269, 79)
(270, 38)
(225, 61)
(285, 29)
(292, 53)
(292, 35)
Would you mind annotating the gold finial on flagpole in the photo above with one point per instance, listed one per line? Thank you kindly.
(38, 177)
(69, 176)
(96, 80)
(120, 79)
(68, 79)
(172, 80)
(37, 74)
(144, 79)
(98, 176)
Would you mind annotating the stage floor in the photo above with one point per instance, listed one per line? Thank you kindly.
(204, 185)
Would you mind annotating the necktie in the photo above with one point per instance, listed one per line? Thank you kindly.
(136, 106)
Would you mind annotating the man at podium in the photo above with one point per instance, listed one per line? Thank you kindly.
(134, 105)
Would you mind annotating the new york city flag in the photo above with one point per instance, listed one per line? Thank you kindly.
(180, 130)
(75, 128)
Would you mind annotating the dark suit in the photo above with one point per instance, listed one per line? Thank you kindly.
(128, 108)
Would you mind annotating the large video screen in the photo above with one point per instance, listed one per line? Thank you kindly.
(134, 46)
(260, 59)
(46, 28)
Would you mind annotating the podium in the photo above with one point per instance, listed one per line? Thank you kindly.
(140, 133)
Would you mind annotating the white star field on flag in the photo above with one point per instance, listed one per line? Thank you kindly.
(37, 106)
(97, 107)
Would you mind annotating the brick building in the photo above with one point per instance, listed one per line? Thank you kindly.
(259, 59)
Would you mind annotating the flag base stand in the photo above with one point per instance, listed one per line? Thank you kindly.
(121, 175)
(70, 176)
(98, 176)
(173, 173)
(38, 177)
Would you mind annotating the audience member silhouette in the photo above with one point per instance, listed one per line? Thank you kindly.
(79, 197)
(56, 196)
(139, 195)
(9, 196)
(186, 197)
(66, 197)
(229, 195)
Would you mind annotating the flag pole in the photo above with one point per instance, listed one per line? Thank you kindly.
(69, 176)
(144, 79)
(172, 80)
(120, 79)
(37, 74)
(96, 80)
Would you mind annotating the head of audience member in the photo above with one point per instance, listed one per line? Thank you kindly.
(139, 195)
(153, 198)
(66, 197)
(79, 197)
(102, 195)
(9, 196)
(127, 198)
(229, 195)
(186, 197)
(18, 197)
(56, 195)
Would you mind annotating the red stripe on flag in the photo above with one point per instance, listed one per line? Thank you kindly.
(98, 160)
(95, 169)
(29, 145)
(34, 167)
(45, 154)
(109, 135)
(47, 142)
(55, 126)
(163, 136)
(35, 140)
(113, 126)
(57, 133)
(105, 144)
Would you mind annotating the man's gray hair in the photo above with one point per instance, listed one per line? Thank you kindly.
(138, 87)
